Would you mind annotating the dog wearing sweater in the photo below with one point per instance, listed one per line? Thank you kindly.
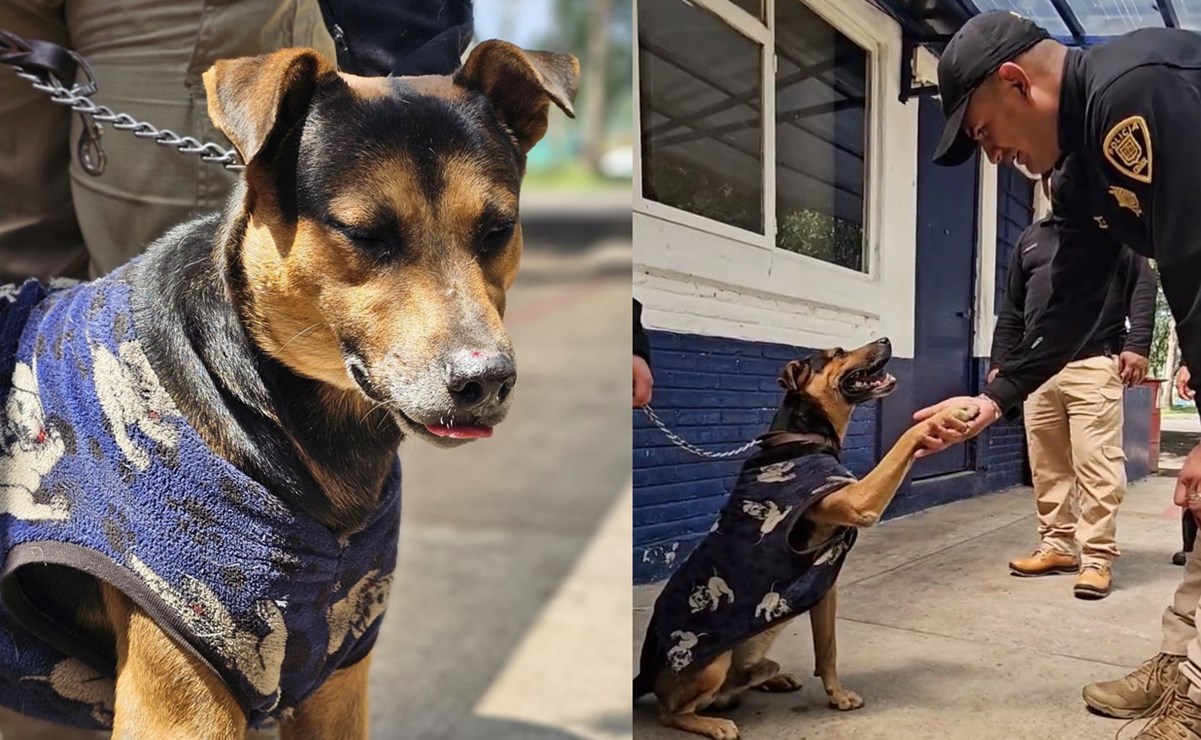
(777, 548)
(199, 480)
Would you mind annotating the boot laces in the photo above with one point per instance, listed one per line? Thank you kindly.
(1171, 715)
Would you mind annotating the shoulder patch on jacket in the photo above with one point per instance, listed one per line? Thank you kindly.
(1127, 147)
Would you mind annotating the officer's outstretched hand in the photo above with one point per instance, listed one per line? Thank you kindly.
(940, 438)
(1188, 483)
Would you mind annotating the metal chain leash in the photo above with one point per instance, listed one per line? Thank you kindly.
(684, 444)
(91, 154)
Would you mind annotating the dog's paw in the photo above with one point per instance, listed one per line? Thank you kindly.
(719, 729)
(958, 413)
(844, 700)
(967, 413)
(781, 683)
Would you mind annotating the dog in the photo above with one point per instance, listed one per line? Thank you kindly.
(777, 548)
(198, 452)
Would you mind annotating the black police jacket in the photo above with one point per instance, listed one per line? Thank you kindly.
(1131, 294)
(377, 38)
(1130, 112)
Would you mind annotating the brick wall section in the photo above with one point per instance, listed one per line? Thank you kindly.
(1002, 449)
(1015, 211)
(718, 394)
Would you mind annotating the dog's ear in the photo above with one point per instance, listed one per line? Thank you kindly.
(521, 85)
(795, 375)
(252, 98)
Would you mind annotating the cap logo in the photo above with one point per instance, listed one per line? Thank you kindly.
(1101, 222)
(1126, 199)
(1127, 146)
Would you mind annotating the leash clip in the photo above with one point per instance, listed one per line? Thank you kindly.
(92, 158)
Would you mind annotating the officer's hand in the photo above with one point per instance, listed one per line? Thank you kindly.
(643, 382)
(1182, 378)
(991, 374)
(1188, 483)
(935, 440)
(1132, 367)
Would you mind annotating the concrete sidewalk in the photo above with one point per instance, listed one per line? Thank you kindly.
(943, 644)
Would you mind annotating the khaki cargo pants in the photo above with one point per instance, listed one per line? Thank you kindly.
(147, 55)
(1074, 431)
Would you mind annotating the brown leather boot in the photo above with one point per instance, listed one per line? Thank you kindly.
(1094, 581)
(1178, 718)
(1135, 693)
(1045, 561)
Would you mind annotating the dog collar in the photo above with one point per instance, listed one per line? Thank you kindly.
(771, 440)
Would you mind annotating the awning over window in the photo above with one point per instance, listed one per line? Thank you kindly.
(1073, 22)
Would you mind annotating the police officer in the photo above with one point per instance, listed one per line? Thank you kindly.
(1122, 118)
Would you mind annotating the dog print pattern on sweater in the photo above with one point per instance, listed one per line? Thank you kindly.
(753, 569)
(100, 472)
(29, 449)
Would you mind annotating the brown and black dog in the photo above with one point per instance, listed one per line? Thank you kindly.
(777, 548)
(351, 295)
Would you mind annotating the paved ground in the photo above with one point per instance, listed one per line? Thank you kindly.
(943, 644)
(502, 617)
(1178, 435)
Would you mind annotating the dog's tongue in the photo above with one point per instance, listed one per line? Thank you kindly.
(459, 432)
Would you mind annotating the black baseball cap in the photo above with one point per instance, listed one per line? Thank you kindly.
(976, 51)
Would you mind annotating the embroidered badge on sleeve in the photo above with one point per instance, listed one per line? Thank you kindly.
(1127, 147)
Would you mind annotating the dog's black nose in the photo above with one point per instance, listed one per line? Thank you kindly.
(477, 377)
(883, 342)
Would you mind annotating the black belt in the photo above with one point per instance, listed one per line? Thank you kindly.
(1108, 348)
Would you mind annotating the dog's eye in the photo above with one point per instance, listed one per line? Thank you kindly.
(362, 237)
(497, 238)
(840, 352)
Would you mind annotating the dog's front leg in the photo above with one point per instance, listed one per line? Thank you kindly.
(825, 652)
(338, 709)
(860, 504)
(164, 691)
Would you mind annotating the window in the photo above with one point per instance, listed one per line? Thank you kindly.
(701, 86)
(821, 138)
(703, 144)
(754, 7)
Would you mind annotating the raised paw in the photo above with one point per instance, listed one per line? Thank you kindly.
(959, 413)
(781, 683)
(844, 700)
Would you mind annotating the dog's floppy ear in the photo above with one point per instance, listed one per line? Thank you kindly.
(521, 85)
(795, 375)
(251, 98)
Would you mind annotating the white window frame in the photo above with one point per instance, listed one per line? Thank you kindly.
(719, 259)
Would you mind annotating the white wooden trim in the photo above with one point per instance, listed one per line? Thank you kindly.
(986, 259)
(925, 68)
(737, 18)
(636, 176)
(768, 68)
(688, 268)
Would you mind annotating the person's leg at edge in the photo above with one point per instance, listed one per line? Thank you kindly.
(1051, 464)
